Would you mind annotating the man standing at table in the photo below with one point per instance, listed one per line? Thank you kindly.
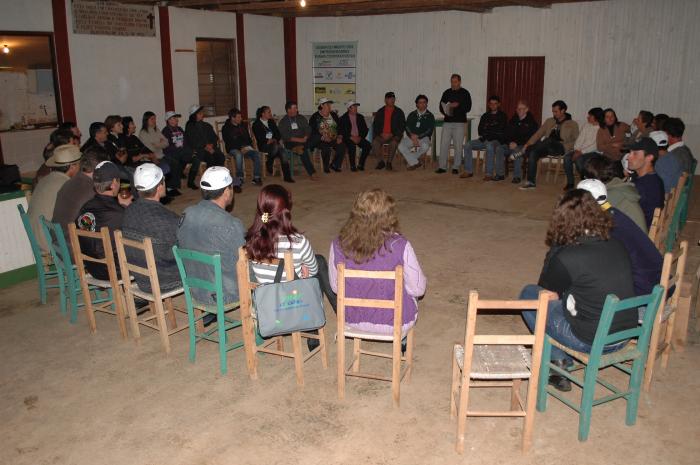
(455, 103)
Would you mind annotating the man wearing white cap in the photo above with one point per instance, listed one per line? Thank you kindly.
(202, 139)
(176, 149)
(208, 227)
(324, 135)
(353, 128)
(64, 164)
(147, 217)
(645, 258)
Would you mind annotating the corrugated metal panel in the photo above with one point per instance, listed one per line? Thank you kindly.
(627, 54)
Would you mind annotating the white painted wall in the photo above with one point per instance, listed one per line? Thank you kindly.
(186, 25)
(114, 75)
(26, 15)
(264, 61)
(627, 54)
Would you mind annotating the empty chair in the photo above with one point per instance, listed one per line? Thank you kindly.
(498, 361)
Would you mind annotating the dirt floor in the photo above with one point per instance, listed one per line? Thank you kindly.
(69, 397)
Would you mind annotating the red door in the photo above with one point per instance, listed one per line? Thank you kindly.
(517, 78)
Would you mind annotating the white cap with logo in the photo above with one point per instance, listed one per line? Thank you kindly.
(147, 176)
(215, 178)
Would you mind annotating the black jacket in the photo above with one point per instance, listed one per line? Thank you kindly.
(100, 211)
(112, 145)
(492, 126)
(520, 131)
(398, 122)
(198, 134)
(235, 136)
(134, 146)
(464, 98)
(315, 122)
(260, 133)
(345, 126)
(583, 274)
(92, 144)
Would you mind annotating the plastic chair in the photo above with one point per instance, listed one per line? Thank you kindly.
(155, 298)
(251, 337)
(197, 311)
(594, 361)
(498, 361)
(44, 271)
(395, 306)
(661, 341)
(114, 303)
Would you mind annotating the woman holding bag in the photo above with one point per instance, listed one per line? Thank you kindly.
(272, 234)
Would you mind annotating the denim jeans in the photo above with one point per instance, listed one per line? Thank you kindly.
(503, 151)
(580, 163)
(250, 154)
(476, 144)
(558, 327)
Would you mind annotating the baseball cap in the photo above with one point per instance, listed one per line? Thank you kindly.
(389, 95)
(596, 188)
(351, 104)
(105, 171)
(195, 108)
(646, 144)
(147, 176)
(660, 137)
(323, 100)
(64, 155)
(215, 178)
(170, 114)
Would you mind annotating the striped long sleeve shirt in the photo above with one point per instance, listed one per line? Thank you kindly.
(302, 252)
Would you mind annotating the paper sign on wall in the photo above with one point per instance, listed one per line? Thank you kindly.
(334, 70)
(113, 19)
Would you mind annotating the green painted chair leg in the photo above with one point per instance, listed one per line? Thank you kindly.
(221, 323)
(192, 332)
(73, 295)
(634, 387)
(589, 382)
(42, 284)
(543, 382)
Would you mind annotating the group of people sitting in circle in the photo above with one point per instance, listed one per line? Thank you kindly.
(597, 237)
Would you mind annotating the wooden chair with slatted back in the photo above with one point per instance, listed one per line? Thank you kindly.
(113, 306)
(655, 225)
(156, 299)
(344, 331)
(276, 167)
(252, 341)
(661, 342)
(498, 361)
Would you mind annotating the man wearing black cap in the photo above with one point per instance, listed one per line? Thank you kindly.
(387, 129)
(105, 209)
(643, 154)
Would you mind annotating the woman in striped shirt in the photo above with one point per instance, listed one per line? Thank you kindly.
(273, 233)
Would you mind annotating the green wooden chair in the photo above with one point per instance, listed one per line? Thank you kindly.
(197, 311)
(44, 272)
(674, 228)
(596, 360)
(69, 283)
(689, 190)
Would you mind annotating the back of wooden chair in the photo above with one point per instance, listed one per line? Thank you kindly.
(654, 226)
(108, 261)
(499, 361)
(253, 342)
(672, 274)
(395, 306)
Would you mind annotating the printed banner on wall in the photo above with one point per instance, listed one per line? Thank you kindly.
(334, 68)
(113, 19)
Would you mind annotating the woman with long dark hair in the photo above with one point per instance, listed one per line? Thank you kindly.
(273, 233)
(583, 265)
(612, 135)
(371, 240)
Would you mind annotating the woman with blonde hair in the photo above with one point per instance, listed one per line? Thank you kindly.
(371, 240)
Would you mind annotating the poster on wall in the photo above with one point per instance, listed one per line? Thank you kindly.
(334, 71)
(113, 19)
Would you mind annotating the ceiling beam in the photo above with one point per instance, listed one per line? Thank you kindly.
(283, 7)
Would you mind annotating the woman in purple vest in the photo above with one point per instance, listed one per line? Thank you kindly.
(370, 240)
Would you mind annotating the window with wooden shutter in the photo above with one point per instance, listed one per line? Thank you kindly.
(217, 77)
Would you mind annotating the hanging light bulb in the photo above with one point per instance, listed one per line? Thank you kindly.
(302, 3)
(5, 49)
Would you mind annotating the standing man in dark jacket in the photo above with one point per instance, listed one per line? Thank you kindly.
(420, 125)
(105, 209)
(147, 217)
(353, 128)
(518, 131)
(201, 138)
(387, 128)
(492, 129)
(455, 103)
(324, 135)
(176, 149)
(239, 144)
